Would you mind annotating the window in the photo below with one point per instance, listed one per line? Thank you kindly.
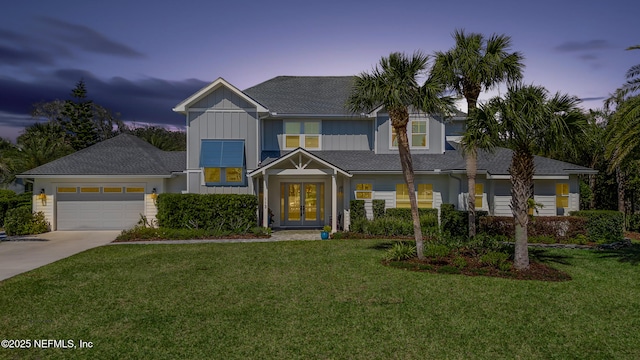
(222, 162)
(89, 189)
(402, 196)
(425, 196)
(67, 189)
(562, 195)
(135, 190)
(111, 190)
(416, 132)
(305, 134)
(479, 195)
(364, 191)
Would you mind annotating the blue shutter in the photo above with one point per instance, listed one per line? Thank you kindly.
(222, 153)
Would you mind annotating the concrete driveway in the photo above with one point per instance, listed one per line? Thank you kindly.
(30, 252)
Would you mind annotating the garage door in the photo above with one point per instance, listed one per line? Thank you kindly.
(99, 207)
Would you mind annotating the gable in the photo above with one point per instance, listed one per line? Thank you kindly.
(222, 98)
(207, 97)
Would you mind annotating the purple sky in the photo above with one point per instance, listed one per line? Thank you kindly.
(141, 58)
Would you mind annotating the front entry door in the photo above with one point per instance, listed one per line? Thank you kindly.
(303, 205)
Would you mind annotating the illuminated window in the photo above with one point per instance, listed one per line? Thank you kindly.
(305, 134)
(233, 175)
(62, 189)
(425, 196)
(562, 195)
(402, 196)
(111, 190)
(416, 132)
(364, 191)
(211, 175)
(89, 189)
(135, 190)
(479, 195)
(222, 162)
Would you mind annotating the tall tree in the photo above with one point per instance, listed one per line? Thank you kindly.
(473, 65)
(77, 118)
(528, 120)
(162, 138)
(394, 84)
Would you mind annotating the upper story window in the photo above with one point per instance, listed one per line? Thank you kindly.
(302, 133)
(222, 162)
(416, 132)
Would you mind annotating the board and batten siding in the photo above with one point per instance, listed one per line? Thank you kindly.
(435, 138)
(343, 134)
(544, 193)
(222, 99)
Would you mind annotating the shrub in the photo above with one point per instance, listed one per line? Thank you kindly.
(217, 212)
(378, 208)
(436, 251)
(560, 228)
(22, 221)
(494, 258)
(261, 231)
(603, 226)
(400, 251)
(633, 222)
(404, 213)
(393, 226)
(455, 222)
(357, 210)
(10, 200)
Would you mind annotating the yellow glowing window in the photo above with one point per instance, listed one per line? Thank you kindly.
(89, 189)
(292, 141)
(211, 175)
(425, 196)
(402, 196)
(479, 194)
(111, 190)
(233, 174)
(67, 189)
(363, 191)
(135, 189)
(418, 133)
(312, 141)
(562, 195)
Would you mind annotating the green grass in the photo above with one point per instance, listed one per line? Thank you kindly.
(317, 300)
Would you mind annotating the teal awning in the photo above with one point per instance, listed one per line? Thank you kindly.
(221, 153)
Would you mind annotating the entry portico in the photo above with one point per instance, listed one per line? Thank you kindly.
(301, 190)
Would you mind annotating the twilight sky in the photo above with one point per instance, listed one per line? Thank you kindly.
(140, 57)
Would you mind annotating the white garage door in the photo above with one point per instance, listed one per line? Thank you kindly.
(98, 208)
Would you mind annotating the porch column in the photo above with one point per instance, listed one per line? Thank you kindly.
(265, 199)
(334, 202)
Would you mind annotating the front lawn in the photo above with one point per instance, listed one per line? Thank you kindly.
(317, 300)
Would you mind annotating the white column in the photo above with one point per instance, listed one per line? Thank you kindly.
(265, 199)
(334, 202)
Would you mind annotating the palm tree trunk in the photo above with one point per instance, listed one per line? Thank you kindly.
(521, 171)
(399, 121)
(471, 158)
(592, 186)
(621, 188)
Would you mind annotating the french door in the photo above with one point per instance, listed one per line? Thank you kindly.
(303, 204)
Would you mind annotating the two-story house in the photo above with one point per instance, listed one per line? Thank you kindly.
(291, 142)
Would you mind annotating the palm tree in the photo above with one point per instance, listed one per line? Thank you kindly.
(528, 121)
(394, 85)
(473, 65)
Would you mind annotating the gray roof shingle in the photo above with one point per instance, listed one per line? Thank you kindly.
(496, 163)
(122, 155)
(320, 95)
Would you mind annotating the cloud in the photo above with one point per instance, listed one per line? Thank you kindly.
(572, 46)
(20, 57)
(147, 100)
(88, 39)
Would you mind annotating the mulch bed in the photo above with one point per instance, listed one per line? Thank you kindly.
(536, 271)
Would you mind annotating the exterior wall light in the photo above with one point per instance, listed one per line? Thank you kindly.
(154, 194)
(43, 197)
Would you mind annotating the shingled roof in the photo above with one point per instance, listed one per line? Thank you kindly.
(496, 163)
(122, 155)
(317, 95)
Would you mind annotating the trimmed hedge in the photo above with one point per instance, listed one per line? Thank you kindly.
(603, 226)
(560, 228)
(394, 226)
(456, 222)
(405, 213)
(378, 208)
(217, 212)
(357, 210)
